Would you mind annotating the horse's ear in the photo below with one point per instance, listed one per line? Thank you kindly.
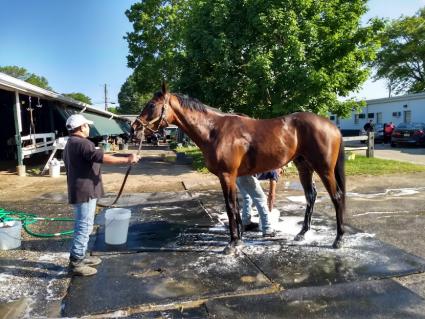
(164, 87)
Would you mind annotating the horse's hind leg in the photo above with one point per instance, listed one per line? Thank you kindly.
(228, 184)
(338, 199)
(306, 178)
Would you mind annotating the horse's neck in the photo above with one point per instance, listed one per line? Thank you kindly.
(196, 124)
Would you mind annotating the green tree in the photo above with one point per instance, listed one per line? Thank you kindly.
(79, 97)
(23, 74)
(402, 57)
(259, 57)
(113, 110)
(157, 43)
(129, 98)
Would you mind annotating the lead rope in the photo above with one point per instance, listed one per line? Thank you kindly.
(125, 178)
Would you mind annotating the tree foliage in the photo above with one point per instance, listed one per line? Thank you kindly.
(129, 98)
(402, 57)
(260, 57)
(22, 74)
(79, 97)
(157, 48)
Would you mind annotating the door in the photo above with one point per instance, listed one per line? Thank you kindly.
(407, 116)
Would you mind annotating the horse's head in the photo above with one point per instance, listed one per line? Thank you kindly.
(155, 115)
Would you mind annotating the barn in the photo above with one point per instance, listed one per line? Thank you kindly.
(32, 119)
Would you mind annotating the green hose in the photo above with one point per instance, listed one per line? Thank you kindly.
(28, 219)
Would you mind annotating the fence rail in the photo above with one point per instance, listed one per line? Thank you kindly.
(369, 145)
(36, 143)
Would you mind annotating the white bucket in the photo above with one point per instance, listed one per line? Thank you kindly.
(117, 221)
(54, 169)
(10, 235)
(274, 216)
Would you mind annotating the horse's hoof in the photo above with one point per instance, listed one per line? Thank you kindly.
(299, 237)
(233, 248)
(229, 250)
(337, 243)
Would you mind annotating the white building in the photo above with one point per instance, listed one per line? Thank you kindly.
(399, 109)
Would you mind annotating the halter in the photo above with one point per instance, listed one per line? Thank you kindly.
(161, 118)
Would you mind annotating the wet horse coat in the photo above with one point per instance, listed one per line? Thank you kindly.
(235, 145)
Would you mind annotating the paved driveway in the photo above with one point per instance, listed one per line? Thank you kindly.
(413, 154)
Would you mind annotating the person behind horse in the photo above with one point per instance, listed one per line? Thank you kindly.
(251, 192)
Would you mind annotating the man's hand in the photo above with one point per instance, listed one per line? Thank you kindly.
(133, 159)
(270, 201)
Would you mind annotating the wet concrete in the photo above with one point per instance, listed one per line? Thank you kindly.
(275, 277)
(364, 299)
(156, 225)
(147, 279)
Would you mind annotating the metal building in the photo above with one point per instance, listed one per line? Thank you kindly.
(398, 109)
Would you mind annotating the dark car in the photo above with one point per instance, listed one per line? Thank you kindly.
(408, 133)
(379, 133)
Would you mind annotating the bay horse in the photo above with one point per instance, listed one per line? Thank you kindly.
(235, 145)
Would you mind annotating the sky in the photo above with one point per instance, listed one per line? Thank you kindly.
(79, 45)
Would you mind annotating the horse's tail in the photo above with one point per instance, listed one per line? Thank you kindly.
(340, 172)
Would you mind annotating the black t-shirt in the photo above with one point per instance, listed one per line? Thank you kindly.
(368, 127)
(82, 162)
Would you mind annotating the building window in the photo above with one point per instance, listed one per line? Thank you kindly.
(407, 116)
(332, 117)
(379, 117)
(356, 119)
(370, 115)
(362, 116)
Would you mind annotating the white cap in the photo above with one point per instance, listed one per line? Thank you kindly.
(76, 120)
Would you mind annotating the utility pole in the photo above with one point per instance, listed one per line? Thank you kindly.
(106, 98)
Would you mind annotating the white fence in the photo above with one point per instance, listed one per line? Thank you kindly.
(36, 143)
(369, 143)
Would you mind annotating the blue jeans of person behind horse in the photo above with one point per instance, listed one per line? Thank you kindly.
(84, 220)
(252, 192)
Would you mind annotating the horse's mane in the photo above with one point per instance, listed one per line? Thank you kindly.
(190, 103)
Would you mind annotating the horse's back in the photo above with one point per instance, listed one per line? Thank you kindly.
(318, 139)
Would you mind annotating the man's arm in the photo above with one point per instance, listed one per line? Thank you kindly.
(272, 194)
(130, 159)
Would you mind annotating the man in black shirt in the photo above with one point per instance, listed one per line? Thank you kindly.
(83, 162)
(369, 127)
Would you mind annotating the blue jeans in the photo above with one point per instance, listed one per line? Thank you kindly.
(251, 191)
(84, 220)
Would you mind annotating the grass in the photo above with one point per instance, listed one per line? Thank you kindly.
(361, 165)
(198, 159)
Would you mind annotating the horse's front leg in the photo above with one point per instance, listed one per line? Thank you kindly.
(228, 185)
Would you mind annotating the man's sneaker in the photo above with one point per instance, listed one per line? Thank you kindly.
(78, 268)
(269, 233)
(251, 227)
(91, 261)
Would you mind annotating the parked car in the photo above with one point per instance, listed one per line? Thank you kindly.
(408, 133)
(379, 133)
